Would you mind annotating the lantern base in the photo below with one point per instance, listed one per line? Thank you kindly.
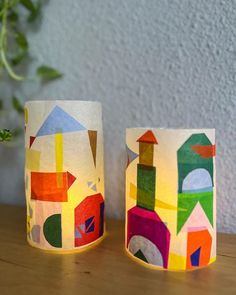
(68, 251)
(172, 269)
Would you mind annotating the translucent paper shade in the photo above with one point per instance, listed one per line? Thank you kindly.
(170, 197)
(64, 181)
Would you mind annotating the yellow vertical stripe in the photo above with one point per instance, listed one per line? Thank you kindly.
(59, 158)
(26, 116)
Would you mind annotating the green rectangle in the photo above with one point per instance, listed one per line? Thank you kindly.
(146, 186)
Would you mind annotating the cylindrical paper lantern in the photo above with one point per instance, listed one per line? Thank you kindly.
(170, 197)
(64, 179)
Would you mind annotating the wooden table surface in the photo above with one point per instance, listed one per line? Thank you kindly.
(104, 269)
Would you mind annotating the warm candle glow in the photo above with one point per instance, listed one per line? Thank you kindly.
(64, 178)
(170, 197)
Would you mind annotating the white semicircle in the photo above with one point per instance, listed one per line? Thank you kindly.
(149, 250)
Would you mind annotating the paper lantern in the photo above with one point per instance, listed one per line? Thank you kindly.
(170, 197)
(64, 179)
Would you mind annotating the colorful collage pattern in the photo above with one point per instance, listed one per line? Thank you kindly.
(64, 178)
(170, 197)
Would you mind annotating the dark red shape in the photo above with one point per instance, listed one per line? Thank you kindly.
(90, 209)
(32, 139)
(70, 179)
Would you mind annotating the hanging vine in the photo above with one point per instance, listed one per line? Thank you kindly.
(14, 47)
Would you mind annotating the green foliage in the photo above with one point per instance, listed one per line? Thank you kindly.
(34, 9)
(17, 105)
(14, 46)
(48, 73)
(5, 135)
(23, 46)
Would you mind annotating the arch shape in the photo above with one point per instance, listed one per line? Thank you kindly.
(150, 251)
(198, 180)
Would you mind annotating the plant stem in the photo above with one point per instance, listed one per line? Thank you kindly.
(3, 44)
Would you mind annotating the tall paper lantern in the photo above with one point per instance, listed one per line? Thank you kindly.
(170, 197)
(64, 179)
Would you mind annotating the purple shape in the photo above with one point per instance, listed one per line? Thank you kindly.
(101, 226)
(148, 224)
(90, 229)
(88, 222)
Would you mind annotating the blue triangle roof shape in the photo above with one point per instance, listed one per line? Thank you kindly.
(131, 155)
(58, 121)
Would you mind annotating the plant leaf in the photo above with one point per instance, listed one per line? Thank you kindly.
(34, 15)
(23, 45)
(18, 58)
(48, 73)
(28, 4)
(17, 105)
(5, 135)
(13, 17)
(32, 8)
(21, 40)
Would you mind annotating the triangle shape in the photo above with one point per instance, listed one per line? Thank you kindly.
(93, 143)
(91, 228)
(197, 219)
(88, 221)
(32, 139)
(148, 137)
(82, 227)
(204, 151)
(189, 204)
(207, 206)
(195, 257)
(139, 254)
(182, 216)
(58, 121)
(89, 183)
(77, 234)
(70, 179)
(131, 155)
(94, 187)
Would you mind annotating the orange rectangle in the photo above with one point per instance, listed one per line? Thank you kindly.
(44, 186)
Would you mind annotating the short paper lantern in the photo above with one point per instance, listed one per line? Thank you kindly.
(64, 179)
(170, 197)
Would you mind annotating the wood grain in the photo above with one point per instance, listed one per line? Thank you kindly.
(105, 269)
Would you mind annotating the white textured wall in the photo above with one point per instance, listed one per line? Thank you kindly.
(151, 63)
